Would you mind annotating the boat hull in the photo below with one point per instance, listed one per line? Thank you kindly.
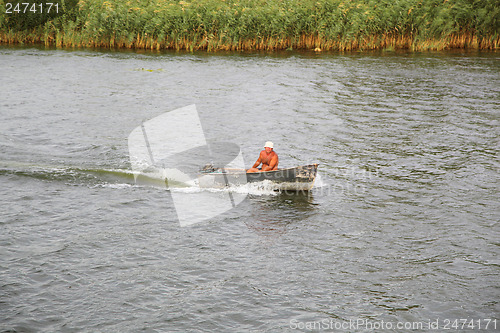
(299, 178)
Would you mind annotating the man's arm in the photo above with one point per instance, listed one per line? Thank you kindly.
(257, 163)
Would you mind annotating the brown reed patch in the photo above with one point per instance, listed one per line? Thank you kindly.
(221, 43)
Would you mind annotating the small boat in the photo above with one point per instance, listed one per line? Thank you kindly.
(300, 178)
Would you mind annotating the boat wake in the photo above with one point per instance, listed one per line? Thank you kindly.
(121, 179)
(265, 187)
(68, 174)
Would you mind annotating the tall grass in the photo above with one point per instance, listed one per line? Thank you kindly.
(263, 24)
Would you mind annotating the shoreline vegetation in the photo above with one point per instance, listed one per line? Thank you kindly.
(255, 25)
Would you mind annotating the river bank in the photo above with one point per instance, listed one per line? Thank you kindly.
(238, 25)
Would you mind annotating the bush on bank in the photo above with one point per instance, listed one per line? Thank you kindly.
(258, 24)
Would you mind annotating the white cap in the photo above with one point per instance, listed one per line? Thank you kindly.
(268, 144)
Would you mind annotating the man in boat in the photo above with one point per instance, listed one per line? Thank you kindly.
(268, 158)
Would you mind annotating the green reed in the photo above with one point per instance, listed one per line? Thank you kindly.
(262, 25)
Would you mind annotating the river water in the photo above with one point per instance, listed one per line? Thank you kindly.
(400, 232)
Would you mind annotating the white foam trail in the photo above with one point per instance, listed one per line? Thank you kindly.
(319, 181)
(265, 187)
(114, 186)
